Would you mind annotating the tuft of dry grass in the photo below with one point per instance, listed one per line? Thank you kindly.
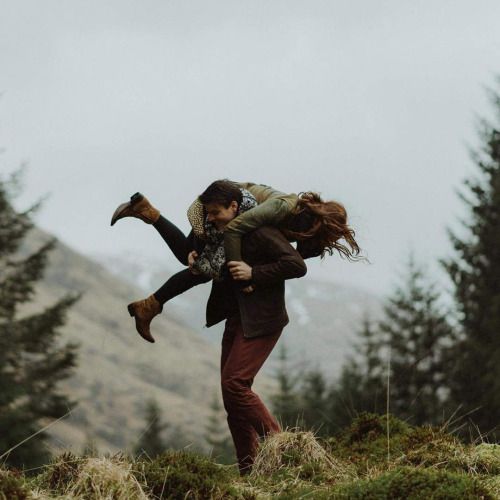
(100, 478)
(107, 479)
(297, 450)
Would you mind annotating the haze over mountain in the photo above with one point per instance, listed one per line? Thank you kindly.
(324, 316)
(372, 104)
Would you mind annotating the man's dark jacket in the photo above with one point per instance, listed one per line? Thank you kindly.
(273, 260)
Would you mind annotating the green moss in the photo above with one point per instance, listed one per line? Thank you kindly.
(364, 444)
(314, 472)
(12, 486)
(310, 472)
(428, 446)
(424, 463)
(286, 485)
(370, 427)
(414, 484)
(485, 458)
(305, 492)
(492, 484)
(183, 475)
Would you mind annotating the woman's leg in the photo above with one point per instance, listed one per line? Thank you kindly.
(175, 239)
(177, 284)
(140, 208)
(145, 310)
(180, 246)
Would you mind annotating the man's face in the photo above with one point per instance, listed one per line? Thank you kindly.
(219, 215)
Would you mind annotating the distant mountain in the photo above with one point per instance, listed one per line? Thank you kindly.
(324, 317)
(117, 370)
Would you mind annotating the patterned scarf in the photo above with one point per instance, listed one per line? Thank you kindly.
(212, 259)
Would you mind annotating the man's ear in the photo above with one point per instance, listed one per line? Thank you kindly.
(234, 205)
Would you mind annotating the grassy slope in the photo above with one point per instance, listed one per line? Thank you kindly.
(424, 463)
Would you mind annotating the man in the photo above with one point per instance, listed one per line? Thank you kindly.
(255, 317)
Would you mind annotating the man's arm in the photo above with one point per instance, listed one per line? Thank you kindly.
(284, 261)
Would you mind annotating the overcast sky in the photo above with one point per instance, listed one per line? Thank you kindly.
(373, 103)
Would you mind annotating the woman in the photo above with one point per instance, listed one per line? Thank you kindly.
(217, 229)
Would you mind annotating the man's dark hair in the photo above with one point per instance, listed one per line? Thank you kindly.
(221, 192)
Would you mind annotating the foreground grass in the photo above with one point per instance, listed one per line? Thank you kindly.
(422, 463)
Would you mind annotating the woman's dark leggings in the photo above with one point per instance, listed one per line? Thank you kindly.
(180, 246)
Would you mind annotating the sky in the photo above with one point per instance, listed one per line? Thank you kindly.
(372, 103)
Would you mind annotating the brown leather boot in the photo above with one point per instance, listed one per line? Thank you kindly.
(138, 207)
(144, 311)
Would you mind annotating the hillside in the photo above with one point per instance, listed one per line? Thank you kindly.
(117, 370)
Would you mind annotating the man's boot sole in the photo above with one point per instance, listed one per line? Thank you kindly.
(131, 310)
(135, 198)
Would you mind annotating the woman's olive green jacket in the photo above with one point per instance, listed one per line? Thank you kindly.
(273, 208)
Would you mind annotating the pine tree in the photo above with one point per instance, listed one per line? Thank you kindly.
(474, 270)
(418, 335)
(314, 402)
(32, 359)
(286, 402)
(151, 441)
(361, 385)
(217, 436)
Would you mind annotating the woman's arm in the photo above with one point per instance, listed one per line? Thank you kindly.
(271, 212)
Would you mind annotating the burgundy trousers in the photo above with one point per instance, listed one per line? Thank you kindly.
(247, 416)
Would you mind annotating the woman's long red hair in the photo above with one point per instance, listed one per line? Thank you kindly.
(329, 226)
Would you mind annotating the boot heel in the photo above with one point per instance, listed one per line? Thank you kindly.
(138, 207)
(136, 198)
(131, 311)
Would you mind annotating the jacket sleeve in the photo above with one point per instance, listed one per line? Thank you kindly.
(270, 212)
(284, 262)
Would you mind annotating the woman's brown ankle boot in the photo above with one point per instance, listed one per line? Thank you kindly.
(138, 207)
(144, 311)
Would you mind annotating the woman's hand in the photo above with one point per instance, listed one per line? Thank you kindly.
(240, 270)
(192, 256)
